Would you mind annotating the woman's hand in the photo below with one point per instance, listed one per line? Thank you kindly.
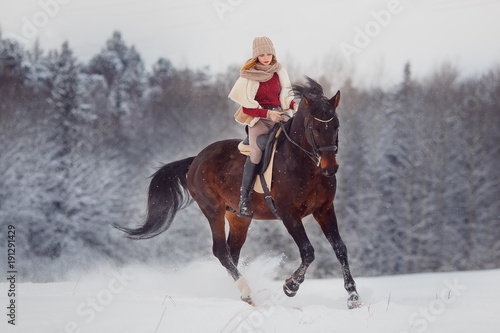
(275, 116)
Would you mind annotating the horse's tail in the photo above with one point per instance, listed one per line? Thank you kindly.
(168, 194)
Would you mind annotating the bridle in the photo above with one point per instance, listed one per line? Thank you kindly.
(315, 155)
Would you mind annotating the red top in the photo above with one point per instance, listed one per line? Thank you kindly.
(268, 95)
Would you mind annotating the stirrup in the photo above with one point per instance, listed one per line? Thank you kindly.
(250, 209)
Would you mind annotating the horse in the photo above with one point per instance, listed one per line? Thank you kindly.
(303, 183)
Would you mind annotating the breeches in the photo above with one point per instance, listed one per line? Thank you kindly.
(263, 126)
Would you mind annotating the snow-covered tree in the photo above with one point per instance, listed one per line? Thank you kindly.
(65, 82)
(38, 74)
(11, 71)
(124, 71)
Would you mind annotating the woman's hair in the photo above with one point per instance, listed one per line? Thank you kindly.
(252, 62)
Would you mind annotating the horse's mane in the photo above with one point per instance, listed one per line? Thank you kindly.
(313, 92)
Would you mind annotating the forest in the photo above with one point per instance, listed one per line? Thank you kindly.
(418, 184)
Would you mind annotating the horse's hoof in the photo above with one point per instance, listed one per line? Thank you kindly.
(290, 288)
(248, 300)
(288, 292)
(354, 301)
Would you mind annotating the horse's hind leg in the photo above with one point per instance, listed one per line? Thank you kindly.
(328, 222)
(215, 215)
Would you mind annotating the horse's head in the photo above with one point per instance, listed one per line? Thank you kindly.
(321, 124)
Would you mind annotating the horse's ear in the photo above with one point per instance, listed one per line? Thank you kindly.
(335, 99)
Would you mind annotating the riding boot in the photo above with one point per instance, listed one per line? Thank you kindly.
(245, 208)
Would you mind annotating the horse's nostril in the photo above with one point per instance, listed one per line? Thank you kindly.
(329, 173)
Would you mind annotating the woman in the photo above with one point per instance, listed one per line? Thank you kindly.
(264, 92)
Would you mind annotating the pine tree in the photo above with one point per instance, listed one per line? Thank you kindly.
(65, 83)
(11, 72)
(64, 102)
(38, 74)
(124, 71)
(162, 74)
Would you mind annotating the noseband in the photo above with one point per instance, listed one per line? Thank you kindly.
(315, 155)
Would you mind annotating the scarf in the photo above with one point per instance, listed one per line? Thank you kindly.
(261, 73)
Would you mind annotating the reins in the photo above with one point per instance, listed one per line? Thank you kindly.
(315, 156)
(316, 159)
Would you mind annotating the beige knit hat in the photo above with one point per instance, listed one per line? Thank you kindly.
(262, 45)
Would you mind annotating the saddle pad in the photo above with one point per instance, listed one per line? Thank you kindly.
(268, 174)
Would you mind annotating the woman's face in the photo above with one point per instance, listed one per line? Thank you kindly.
(265, 59)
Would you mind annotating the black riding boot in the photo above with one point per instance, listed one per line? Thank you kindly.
(245, 208)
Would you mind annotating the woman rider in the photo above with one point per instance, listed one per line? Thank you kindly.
(264, 92)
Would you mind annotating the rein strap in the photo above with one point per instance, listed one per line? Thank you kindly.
(314, 156)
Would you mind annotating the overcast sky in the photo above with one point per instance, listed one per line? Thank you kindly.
(372, 38)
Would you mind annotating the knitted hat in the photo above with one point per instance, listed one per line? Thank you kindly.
(262, 45)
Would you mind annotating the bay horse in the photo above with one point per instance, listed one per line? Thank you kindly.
(303, 183)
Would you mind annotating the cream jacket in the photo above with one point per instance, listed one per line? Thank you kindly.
(244, 91)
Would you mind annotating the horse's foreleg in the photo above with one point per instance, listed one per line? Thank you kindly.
(353, 301)
(298, 233)
(328, 222)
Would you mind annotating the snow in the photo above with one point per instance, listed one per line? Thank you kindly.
(202, 298)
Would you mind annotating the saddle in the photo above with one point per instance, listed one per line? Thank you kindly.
(267, 143)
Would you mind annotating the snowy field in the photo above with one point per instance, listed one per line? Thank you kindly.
(202, 298)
